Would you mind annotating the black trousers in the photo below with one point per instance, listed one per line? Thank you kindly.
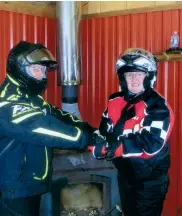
(28, 206)
(143, 198)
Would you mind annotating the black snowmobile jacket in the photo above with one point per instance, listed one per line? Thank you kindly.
(29, 130)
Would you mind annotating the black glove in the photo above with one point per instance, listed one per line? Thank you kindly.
(99, 152)
(106, 126)
(98, 147)
(104, 151)
(107, 129)
(96, 139)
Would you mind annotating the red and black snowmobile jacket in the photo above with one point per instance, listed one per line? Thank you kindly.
(143, 125)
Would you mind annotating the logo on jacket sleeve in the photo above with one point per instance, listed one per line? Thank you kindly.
(19, 109)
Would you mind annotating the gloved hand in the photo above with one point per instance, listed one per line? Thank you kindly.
(103, 151)
(96, 139)
(114, 150)
(98, 146)
(99, 151)
(106, 126)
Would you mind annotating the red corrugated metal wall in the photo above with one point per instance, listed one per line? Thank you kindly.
(102, 41)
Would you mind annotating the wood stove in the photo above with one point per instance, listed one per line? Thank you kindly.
(82, 185)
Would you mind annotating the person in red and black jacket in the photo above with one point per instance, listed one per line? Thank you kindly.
(137, 125)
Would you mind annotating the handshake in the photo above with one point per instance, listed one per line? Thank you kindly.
(101, 149)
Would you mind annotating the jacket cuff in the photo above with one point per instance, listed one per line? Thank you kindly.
(119, 151)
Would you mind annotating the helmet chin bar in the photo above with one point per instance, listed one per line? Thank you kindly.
(36, 88)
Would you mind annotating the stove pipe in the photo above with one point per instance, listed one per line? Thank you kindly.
(68, 53)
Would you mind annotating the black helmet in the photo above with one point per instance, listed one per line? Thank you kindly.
(137, 59)
(23, 55)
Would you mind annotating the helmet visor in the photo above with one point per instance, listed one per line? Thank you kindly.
(36, 71)
(144, 60)
(140, 51)
(41, 56)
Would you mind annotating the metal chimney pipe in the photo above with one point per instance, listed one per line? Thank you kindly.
(68, 53)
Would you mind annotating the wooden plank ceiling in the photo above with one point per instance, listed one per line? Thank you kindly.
(43, 9)
(89, 9)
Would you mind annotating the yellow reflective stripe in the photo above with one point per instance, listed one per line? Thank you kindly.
(40, 97)
(4, 91)
(58, 134)
(13, 97)
(34, 106)
(18, 90)
(26, 104)
(3, 103)
(10, 97)
(45, 103)
(49, 107)
(46, 170)
(12, 80)
(20, 119)
(70, 116)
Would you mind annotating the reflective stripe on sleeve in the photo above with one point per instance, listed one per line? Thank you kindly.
(71, 116)
(22, 118)
(3, 103)
(58, 134)
(46, 169)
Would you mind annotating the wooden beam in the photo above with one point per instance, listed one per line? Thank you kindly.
(42, 9)
(164, 57)
(48, 9)
(177, 5)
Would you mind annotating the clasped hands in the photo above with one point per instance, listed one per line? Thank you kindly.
(102, 149)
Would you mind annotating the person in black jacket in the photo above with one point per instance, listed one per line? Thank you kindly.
(29, 130)
(137, 125)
